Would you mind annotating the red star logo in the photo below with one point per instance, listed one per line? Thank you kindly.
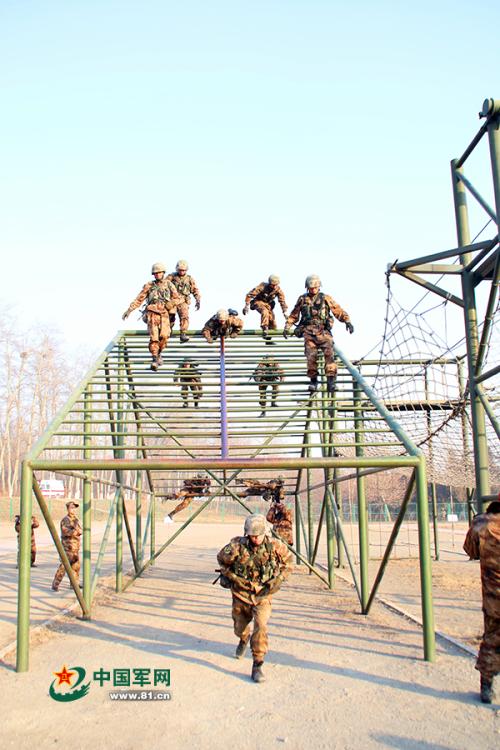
(64, 676)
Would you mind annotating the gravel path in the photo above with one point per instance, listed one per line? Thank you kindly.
(335, 678)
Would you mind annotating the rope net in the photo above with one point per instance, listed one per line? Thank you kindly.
(422, 380)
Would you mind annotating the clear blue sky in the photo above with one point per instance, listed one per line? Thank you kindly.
(250, 138)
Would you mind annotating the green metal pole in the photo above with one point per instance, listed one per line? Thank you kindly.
(87, 505)
(23, 596)
(428, 419)
(425, 563)
(120, 454)
(152, 529)
(472, 342)
(297, 526)
(364, 549)
(435, 520)
(138, 518)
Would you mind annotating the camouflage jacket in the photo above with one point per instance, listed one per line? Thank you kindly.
(265, 293)
(34, 525)
(252, 570)
(160, 297)
(194, 486)
(483, 543)
(317, 311)
(186, 286)
(71, 528)
(214, 328)
(280, 516)
(184, 374)
(267, 371)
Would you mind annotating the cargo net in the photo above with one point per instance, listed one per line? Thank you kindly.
(422, 380)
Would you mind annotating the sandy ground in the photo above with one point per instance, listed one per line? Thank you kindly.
(335, 678)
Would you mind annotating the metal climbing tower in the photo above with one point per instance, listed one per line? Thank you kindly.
(474, 263)
(128, 428)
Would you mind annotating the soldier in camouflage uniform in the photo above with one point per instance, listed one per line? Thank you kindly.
(197, 486)
(281, 518)
(256, 566)
(483, 543)
(262, 298)
(273, 490)
(71, 531)
(186, 286)
(223, 323)
(316, 312)
(188, 376)
(34, 525)
(268, 374)
(161, 300)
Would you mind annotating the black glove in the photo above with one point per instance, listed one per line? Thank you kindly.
(197, 305)
(245, 310)
(286, 332)
(349, 326)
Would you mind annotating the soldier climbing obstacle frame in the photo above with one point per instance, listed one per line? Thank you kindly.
(129, 424)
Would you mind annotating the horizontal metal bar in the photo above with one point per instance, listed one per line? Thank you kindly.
(486, 375)
(456, 251)
(170, 464)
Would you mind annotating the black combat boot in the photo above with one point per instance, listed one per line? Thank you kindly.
(241, 649)
(184, 337)
(331, 383)
(486, 689)
(274, 404)
(185, 405)
(262, 414)
(265, 333)
(257, 674)
(159, 360)
(196, 403)
(313, 385)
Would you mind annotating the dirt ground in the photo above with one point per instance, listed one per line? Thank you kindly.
(336, 679)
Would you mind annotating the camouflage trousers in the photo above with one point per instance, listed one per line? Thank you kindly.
(273, 392)
(316, 340)
(183, 314)
(267, 319)
(159, 331)
(187, 500)
(33, 551)
(73, 554)
(243, 614)
(488, 659)
(195, 390)
(285, 531)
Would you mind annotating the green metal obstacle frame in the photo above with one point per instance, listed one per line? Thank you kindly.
(125, 426)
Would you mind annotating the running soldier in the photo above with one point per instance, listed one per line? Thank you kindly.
(188, 376)
(262, 298)
(197, 486)
(186, 286)
(483, 543)
(34, 525)
(268, 374)
(316, 312)
(161, 300)
(71, 531)
(223, 323)
(281, 518)
(254, 566)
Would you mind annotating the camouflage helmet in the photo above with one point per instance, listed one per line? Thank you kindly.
(232, 311)
(273, 279)
(158, 268)
(255, 525)
(181, 265)
(222, 314)
(313, 280)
